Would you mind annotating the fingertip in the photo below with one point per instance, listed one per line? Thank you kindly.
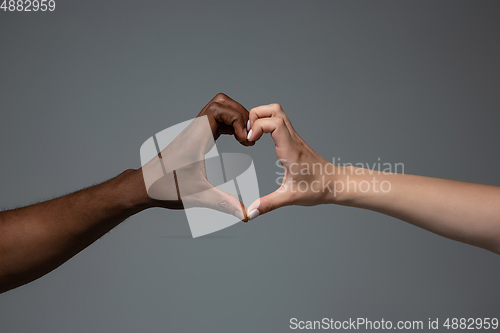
(253, 214)
(250, 135)
(253, 206)
(240, 134)
(247, 143)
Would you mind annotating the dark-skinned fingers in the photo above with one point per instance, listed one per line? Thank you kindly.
(223, 114)
(222, 98)
(225, 129)
(219, 98)
(228, 101)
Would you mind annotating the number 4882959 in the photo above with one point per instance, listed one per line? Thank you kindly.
(28, 5)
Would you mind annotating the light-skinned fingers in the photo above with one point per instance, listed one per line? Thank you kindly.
(266, 111)
(275, 126)
(271, 110)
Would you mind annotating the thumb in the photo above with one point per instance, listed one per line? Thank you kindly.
(266, 204)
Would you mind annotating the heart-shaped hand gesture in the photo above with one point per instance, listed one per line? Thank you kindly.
(177, 176)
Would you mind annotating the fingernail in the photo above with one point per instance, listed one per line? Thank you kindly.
(249, 135)
(253, 214)
(248, 125)
(239, 214)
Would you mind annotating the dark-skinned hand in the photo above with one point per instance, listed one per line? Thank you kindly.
(184, 182)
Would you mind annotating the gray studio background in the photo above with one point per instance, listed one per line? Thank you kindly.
(83, 87)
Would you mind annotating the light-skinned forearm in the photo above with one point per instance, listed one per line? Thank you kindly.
(466, 212)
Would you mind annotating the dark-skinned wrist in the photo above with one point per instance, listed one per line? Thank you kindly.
(134, 196)
(131, 191)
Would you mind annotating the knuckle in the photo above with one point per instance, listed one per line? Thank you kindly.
(280, 122)
(220, 97)
(213, 106)
(260, 124)
(276, 107)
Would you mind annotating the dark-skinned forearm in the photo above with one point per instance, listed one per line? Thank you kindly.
(37, 239)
